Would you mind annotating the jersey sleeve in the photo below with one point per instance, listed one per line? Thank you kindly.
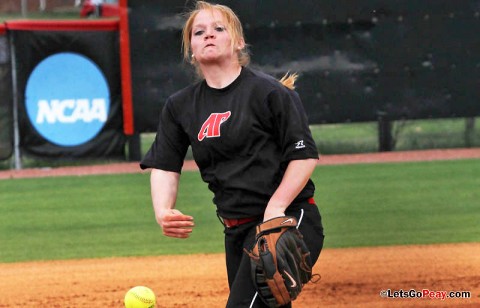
(170, 145)
(291, 125)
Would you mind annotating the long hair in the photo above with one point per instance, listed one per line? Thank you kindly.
(234, 27)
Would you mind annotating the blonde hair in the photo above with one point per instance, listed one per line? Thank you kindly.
(234, 27)
(288, 80)
(233, 24)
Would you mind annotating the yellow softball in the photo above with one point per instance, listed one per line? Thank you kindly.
(140, 297)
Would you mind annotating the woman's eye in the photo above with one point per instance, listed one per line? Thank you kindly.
(197, 33)
(219, 29)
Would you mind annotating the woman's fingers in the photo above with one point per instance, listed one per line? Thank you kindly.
(176, 224)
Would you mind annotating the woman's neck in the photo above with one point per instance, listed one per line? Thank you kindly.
(218, 77)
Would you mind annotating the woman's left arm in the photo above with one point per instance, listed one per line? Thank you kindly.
(294, 180)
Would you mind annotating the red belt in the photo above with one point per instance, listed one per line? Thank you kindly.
(230, 223)
(233, 222)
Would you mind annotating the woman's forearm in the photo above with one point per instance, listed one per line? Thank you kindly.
(164, 189)
(296, 176)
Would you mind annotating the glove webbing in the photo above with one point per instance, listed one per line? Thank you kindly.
(269, 232)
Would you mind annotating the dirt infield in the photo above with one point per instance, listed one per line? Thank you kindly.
(351, 277)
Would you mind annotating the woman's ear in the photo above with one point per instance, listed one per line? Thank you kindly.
(241, 44)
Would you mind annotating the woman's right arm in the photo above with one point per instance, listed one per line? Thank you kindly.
(164, 189)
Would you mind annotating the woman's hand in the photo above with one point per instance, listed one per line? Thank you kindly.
(174, 223)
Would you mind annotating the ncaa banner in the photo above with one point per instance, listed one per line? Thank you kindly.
(68, 87)
(6, 121)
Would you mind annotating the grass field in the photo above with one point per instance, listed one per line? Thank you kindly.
(408, 135)
(60, 12)
(347, 138)
(111, 215)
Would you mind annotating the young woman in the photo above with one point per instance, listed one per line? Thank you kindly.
(250, 139)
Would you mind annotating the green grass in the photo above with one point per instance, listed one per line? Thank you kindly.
(348, 138)
(60, 12)
(40, 16)
(111, 215)
(434, 134)
(407, 203)
(409, 135)
(95, 216)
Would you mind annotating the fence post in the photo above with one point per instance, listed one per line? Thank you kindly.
(469, 131)
(385, 140)
(134, 147)
(16, 129)
(24, 8)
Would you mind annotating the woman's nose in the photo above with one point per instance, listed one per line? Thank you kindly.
(209, 34)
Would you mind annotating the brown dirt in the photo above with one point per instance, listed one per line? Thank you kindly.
(350, 276)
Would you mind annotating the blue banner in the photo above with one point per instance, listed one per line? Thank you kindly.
(69, 89)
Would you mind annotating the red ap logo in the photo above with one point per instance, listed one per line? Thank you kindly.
(211, 127)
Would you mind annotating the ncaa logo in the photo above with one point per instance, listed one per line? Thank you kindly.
(67, 99)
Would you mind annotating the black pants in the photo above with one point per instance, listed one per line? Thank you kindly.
(242, 290)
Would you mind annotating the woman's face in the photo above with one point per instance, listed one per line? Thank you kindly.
(210, 40)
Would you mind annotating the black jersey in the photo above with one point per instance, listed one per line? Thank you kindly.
(242, 138)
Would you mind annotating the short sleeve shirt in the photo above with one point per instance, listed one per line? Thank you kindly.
(242, 138)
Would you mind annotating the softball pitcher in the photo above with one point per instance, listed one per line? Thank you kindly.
(250, 139)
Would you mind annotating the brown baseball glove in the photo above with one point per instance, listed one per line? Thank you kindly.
(280, 260)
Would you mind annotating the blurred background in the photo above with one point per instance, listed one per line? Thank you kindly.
(374, 75)
(58, 8)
